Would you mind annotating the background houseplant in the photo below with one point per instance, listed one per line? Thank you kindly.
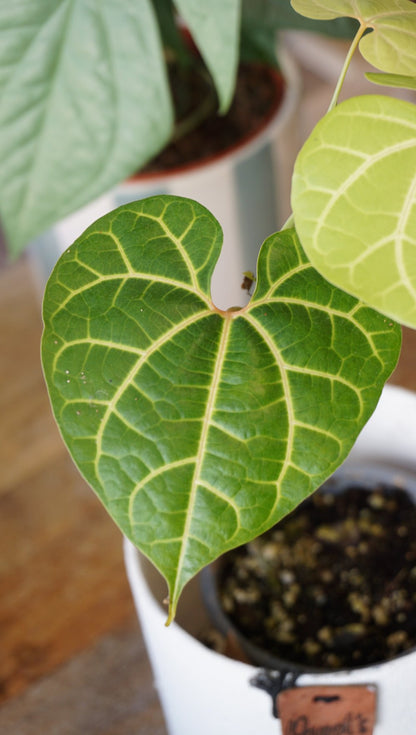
(85, 95)
(317, 357)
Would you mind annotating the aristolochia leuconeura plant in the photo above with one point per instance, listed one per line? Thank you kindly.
(200, 428)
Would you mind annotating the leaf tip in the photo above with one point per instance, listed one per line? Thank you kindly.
(171, 611)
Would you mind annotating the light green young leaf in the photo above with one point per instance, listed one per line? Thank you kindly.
(390, 46)
(199, 428)
(354, 202)
(215, 27)
(392, 80)
(83, 103)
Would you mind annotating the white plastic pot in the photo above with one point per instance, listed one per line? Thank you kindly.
(205, 692)
(247, 189)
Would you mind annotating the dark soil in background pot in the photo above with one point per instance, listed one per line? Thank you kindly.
(331, 586)
(259, 92)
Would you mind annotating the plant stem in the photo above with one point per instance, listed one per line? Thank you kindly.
(290, 222)
(193, 120)
(199, 114)
(356, 40)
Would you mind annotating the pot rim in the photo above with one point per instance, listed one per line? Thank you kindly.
(246, 146)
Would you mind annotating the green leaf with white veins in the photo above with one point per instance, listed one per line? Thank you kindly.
(354, 202)
(84, 102)
(199, 428)
(390, 46)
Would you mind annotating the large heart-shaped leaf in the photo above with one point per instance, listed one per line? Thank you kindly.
(200, 428)
(391, 44)
(84, 103)
(354, 202)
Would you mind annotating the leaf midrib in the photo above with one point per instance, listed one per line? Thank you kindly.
(212, 395)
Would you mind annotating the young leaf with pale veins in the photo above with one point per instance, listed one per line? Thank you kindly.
(354, 202)
(390, 46)
(199, 428)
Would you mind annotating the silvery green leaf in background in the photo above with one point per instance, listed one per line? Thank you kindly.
(84, 102)
(354, 202)
(199, 428)
(215, 27)
(390, 44)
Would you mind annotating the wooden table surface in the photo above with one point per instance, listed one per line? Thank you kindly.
(72, 657)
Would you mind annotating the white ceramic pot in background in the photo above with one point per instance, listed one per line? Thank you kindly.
(205, 692)
(247, 189)
(320, 59)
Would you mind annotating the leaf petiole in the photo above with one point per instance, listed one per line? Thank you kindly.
(290, 222)
(356, 40)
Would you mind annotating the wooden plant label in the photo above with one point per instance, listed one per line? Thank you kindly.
(328, 710)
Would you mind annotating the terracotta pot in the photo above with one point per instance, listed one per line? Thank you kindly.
(205, 692)
(247, 189)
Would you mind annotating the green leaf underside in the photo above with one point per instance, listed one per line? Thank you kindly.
(74, 74)
(391, 44)
(392, 80)
(354, 202)
(199, 429)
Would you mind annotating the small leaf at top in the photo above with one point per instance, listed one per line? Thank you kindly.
(354, 202)
(198, 428)
(390, 46)
(392, 80)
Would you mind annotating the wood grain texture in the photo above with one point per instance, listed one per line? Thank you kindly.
(69, 635)
(102, 691)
